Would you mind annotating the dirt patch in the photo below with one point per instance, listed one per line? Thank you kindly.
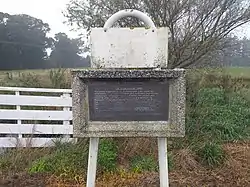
(23, 180)
(187, 172)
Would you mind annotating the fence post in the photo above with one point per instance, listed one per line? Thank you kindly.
(66, 122)
(19, 121)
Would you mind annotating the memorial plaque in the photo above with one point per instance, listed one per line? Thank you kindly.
(128, 99)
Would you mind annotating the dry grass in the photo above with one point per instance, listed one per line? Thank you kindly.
(21, 157)
(187, 172)
(130, 147)
(235, 172)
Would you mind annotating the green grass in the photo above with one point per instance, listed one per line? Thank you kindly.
(211, 154)
(67, 159)
(107, 155)
(238, 71)
(232, 71)
(143, 163)
(218, 115)
(71, 159)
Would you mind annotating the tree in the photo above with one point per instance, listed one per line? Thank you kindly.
(238, 54)
(235, 53)
(23, 42)
(197, 27)
(65, 52)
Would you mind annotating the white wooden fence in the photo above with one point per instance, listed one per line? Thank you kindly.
(34, 117)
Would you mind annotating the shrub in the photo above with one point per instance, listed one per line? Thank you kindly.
(107, 155)
(58, 78)
(4, 163)
(30, 80)
(42, 165)
(68, 160)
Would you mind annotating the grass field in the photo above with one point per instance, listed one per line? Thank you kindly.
(233, 71)
(243, 72)
(239, 71)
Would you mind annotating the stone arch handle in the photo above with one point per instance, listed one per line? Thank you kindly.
(129, 12)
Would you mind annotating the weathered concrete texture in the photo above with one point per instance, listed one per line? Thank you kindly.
(122, 47)
(175, 127)
(128, 73)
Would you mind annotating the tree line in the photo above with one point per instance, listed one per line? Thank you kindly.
(201, 33)
(24, 44)
(237, 53)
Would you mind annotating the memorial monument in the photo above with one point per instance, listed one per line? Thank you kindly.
(129, 92)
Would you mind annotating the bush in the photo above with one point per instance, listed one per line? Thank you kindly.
(211, 154)
(30, 80)
(58, 78)
(68, 160)
(4, 163)
(107, 155)
(42, 165)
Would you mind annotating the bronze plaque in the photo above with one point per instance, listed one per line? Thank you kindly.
(128, 99)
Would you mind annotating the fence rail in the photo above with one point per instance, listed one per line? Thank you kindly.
(34, 117)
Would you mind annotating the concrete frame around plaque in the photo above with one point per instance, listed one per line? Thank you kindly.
(126, 47)
(174, 127)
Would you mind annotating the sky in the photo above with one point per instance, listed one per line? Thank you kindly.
(50, 11)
